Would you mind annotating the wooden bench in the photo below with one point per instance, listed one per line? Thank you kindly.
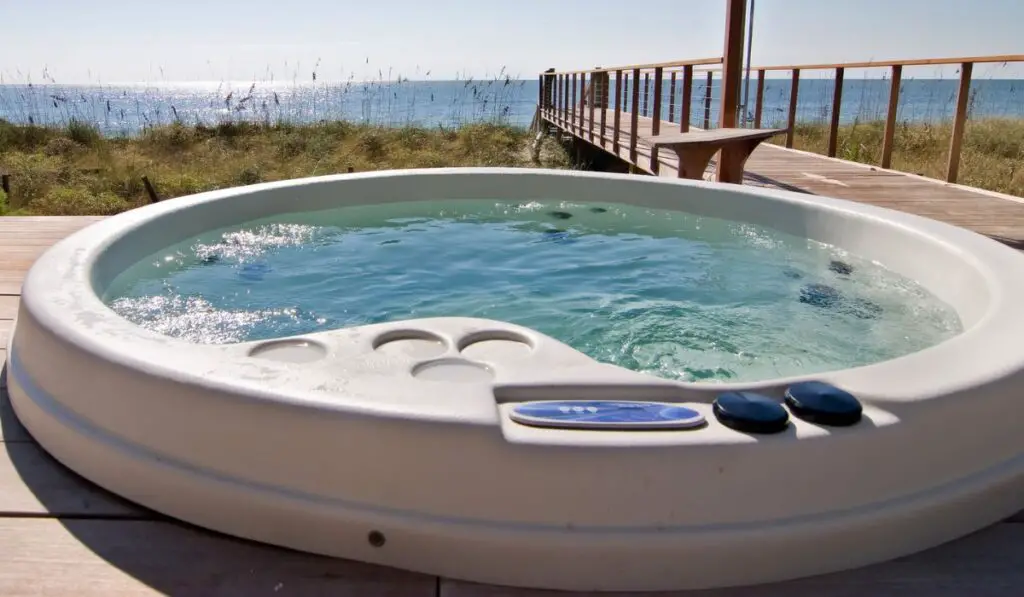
(696, 148)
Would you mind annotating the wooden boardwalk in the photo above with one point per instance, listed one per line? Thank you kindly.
(998, 216)
(61, 535)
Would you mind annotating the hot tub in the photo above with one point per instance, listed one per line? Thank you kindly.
(407, 443)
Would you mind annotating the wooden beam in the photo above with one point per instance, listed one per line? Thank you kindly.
(653, 65)
(837, 102)
(732, 62)
(672, 96)
(959, 122)
(572, 105)
(647, 88)
(590, 99)
(583, 101)
(656, 116)
(794, 93)
(606, 88)
(759, 99)
(707, 100)
(890, 116)
(634, 117)
(686, 100)
(617, 120)
(889, 63)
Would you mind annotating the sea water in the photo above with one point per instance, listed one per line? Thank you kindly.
(665, 292)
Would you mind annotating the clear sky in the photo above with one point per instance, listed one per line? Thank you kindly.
(79, 41)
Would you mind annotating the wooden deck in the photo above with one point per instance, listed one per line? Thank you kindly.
(998, 216)
(61, 535)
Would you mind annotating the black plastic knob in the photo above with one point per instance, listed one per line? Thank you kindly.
(750, 412)
(823, 404)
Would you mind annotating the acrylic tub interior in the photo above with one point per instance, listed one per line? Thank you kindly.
(346, 365)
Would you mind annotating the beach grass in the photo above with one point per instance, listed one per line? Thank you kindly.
(73, 170)
(992, 154)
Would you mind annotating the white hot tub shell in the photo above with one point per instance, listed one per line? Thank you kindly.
(392, 443)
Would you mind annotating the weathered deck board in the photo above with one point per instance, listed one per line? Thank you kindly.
(32, 483)
(989, 563)
(62, 535)
(999, 217)
(108, 558)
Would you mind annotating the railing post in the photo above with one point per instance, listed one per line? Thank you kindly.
(540, 94)
(759, 99)
(572, 108)
(590, 100)
(602, 101)
(686, 99)
(959, 122)
(732, 63)
(707, 101)
(625, 91)
(672, 97)
(890, 116)
(548, 88)
(794, 93)
(656, 117)
(558, 97)
(565, 100)
(647, 85)
(583, 100)
(617, 119)
(634, 117)
(837, 102)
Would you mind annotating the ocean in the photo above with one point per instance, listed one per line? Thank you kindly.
(126, 109)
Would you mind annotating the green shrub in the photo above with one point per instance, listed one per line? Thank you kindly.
(72, 201)
(83, 133)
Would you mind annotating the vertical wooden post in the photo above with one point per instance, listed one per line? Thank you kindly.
(565, 101)
(558, 97)
(729, 162)
(618, 113)
(672, 97)
(794, 93)
(605, 89)
(732, 62)
(656, 116)
(759, 99)
(583, 100)
(686, 99)
(647, 86)
(625, 92)
(572, 108)
(590, 100)
(150, 190)
(707, 101)
(959, 122)
(837, 102)
(890, 116)
(634, 117)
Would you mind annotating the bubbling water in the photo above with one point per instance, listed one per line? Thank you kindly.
(665, 292)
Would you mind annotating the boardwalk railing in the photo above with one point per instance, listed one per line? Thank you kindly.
(580, 101)
(895, 67)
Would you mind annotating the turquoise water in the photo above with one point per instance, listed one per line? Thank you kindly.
(664, 292)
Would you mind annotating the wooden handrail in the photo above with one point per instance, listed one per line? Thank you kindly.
(565, 102)
(891, 63)
(643, 67)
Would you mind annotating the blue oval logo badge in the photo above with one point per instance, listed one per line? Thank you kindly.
(606, 414)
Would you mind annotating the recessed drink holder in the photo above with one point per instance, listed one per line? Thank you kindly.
(296, 350)
(496, 345)
(453, 370)
(419, 344)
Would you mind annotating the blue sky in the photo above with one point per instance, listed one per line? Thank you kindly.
(144, 40)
